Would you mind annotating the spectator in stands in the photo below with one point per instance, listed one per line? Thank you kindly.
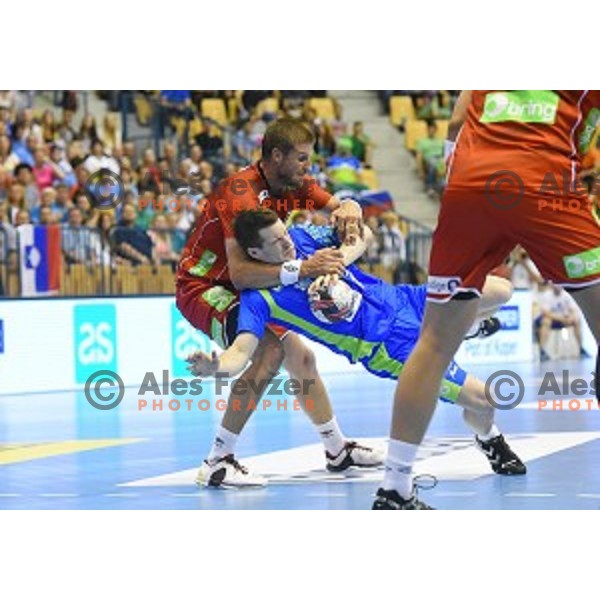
(75, 154)
(128, 182)
(82, 175)
(170, 157)
(244, 145)
(392, 244)
(178, 236)
(88, 132)
(45, 172)
(66, 131)
(111, 133)
(76, 240)
(8, 159)
(558, 311)
(362, 146)
(15, 201)
(46, 216)
(343, 168)
(31, 193)
(210, 141)
(430, 159)
(48, 127)
(524, 273)
(174, 104)
(325, 144)
(131, 242)
(371, 256)
(99, 160)
(103, 241)
(22, 218)
(163, 252)
(57, 157)
(63, 200)
(90, 216)
(443, 105)
(129, 152)
(48, 199)
(8, 239)
(25, 151)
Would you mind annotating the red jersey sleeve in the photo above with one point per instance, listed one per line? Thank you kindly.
(312, 192)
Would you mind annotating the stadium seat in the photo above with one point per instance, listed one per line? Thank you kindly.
(143, 109)
(401, 110)
(324, 107)
(414, 130)
(214, 108)
(442, 129)
(268, 105)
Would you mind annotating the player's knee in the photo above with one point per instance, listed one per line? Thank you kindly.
(301, 364)
(269, 357)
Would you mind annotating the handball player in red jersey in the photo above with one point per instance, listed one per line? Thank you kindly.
(213, 270)
(514, 178)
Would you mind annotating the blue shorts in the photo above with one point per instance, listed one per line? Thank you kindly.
(389, 356)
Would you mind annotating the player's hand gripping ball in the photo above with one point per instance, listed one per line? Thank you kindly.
(331, 299)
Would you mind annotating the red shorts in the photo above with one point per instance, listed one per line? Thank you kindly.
(213, 309)
(474, 235)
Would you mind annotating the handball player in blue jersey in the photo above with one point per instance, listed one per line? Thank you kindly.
(378, 325)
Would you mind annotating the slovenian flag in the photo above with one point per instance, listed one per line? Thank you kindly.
(40, 259)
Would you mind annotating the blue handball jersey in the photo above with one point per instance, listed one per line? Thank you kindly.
(383, 309)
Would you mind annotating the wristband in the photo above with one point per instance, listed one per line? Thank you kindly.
(448, 149)
(290, 272)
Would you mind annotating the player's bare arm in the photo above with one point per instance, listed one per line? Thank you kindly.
(229, 363)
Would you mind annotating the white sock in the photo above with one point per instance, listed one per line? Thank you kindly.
(223, 445)
(332, 437)
(492, 433)
(398, 467)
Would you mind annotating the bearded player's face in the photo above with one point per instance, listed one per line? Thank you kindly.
(294, 165)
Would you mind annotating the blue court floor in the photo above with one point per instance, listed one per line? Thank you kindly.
(58, 452)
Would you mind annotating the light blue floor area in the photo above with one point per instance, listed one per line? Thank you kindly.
(168, 446)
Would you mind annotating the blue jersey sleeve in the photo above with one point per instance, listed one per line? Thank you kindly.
(254, 313)
(309, 238)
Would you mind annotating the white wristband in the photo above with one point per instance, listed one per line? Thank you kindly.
(448, 149)
(290, 272)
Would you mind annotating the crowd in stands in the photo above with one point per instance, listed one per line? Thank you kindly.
(47, 155)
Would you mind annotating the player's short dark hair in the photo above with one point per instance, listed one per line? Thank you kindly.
(248, 225)
(285, 134)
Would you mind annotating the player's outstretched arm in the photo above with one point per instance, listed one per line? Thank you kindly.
(229, 363)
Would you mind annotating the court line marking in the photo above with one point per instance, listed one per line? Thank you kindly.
(528, 495)
(58, 495)
(587, 495)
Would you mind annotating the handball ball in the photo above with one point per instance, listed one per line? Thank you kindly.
(332, 303)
